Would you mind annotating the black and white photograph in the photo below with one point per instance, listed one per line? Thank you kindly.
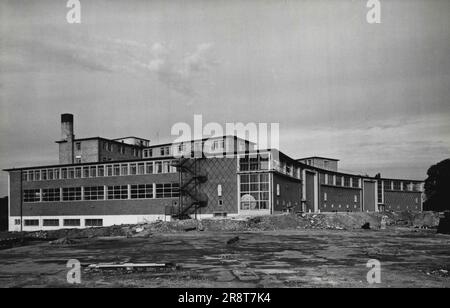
(225, 150)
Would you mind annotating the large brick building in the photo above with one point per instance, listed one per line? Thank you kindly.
(100, 182)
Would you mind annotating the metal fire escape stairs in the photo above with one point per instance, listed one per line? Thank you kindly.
(191, 198)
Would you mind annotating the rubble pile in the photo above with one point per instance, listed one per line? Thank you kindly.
(122, 230)
(329, 221)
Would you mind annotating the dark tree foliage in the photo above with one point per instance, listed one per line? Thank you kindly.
(437, 187)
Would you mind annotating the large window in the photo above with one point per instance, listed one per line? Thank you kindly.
(168, 190)
(85, 172)
(346, 181)
(355, 182)
(330, 179)
(109, 170)
(94, 193)
(158, 167)
(254, 162)
(50, 174)
(71, 193)
(254, 191)
(31, 195)
(124, 169)
(117, 170)
(63, 173)
(93, 171)
(141, 168)
(133, 169)
(149, 167)
(78, 172)
(380, 191)
(101, 171)
(71, 174)
(37, 175)
(142, 191)
(51, 194)
(118, 192)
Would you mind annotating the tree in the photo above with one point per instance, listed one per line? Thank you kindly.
(437, 187)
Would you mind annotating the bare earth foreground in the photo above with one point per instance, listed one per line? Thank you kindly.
(284, 258)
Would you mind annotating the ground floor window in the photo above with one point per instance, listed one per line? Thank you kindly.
(93, 222)
(31, 222)
(51, 222)
(254, 191)
(71, 222)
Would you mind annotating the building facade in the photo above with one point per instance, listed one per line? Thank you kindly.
(223, 176)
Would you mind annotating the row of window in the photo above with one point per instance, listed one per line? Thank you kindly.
(401, 185)
(115, 192)
(339, 206)
(340, 180)
(288, 169)
(122, 169)
(325, 197)
(56, 222)
(108, 146)
(254, 162)
(199, 146)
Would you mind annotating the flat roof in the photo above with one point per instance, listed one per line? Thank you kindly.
(282, 155)
(203, 139)
(101, 138)
(320, 157)
(132, 137)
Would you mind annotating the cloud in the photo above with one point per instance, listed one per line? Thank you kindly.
(412, 144)
(180, 75)
(55, 51)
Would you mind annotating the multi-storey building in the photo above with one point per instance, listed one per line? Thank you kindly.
(101, 182)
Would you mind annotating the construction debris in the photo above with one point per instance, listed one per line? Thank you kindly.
(366, 226)
(132, 267)
(233, 240)
(383, 222)
(444, 224)
(328, 221)
(62, 241)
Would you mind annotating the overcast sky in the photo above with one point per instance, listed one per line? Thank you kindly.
(375, 96)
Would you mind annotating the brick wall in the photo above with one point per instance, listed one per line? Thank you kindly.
(220, 171)
(402, 200)
(115, 154)
(89, 151)
(99, 207)
(290, 193)
(339, 199)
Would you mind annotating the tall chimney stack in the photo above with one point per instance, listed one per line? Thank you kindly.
(67, 126)
(66, 151)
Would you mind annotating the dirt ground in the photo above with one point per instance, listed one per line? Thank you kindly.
(283, 258)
